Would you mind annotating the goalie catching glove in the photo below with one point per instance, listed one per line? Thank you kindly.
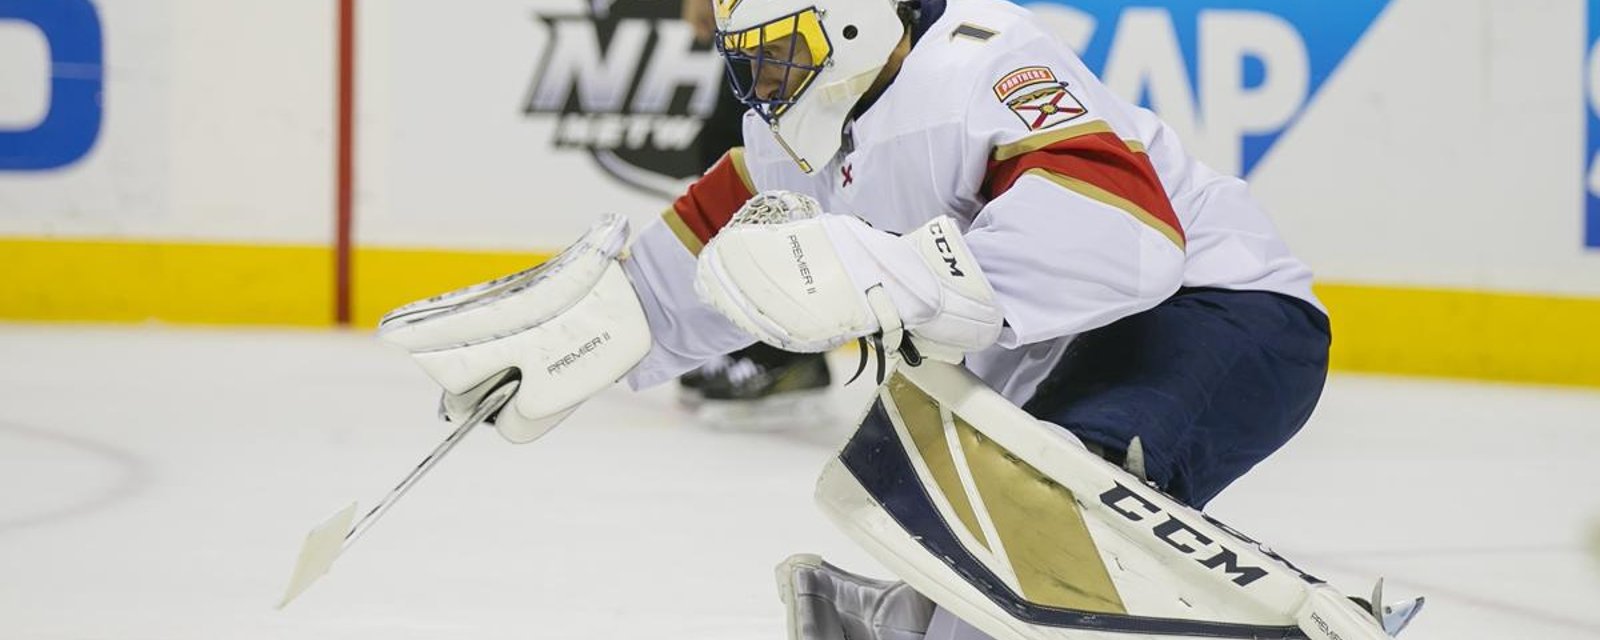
(807, 281)
(567, 329)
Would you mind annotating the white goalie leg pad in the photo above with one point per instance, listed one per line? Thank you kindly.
(569, 328)
(1017, 529)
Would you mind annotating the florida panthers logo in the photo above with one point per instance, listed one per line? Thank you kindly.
(1038, 98)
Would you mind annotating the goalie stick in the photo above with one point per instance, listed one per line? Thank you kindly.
(325, 543)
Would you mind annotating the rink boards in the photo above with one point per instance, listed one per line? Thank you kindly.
(175, 159)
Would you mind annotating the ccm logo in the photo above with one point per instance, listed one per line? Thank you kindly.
(1180, 536)
(946, 253)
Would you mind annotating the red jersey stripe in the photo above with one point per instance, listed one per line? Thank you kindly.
(1092, 161)
(707, 205)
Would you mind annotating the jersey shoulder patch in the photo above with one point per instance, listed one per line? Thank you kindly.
(1038, 98)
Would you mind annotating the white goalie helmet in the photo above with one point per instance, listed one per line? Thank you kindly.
(802, 65)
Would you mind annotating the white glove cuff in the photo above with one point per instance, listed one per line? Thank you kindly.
(967, 316)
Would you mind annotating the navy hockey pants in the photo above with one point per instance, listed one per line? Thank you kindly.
(1212, 381)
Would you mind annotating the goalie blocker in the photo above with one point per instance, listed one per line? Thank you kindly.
(1017, 529)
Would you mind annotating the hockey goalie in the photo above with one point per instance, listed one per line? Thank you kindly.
(1083, 333)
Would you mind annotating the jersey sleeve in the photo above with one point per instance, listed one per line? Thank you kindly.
(685, 332)
(710, 202)
(1076, 230)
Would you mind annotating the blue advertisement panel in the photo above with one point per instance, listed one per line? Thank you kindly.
(1243, 70)
(1591, 197)
(71, 124)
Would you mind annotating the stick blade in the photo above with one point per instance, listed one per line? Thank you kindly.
(321, 548)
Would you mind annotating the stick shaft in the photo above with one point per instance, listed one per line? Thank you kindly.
(490, 404)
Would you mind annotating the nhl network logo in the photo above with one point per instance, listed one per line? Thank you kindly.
(628, 84)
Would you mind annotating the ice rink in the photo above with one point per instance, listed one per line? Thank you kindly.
(156, 483)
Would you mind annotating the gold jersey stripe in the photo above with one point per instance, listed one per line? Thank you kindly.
(1113, 200)
(920, 414)
(1049, 137)
(685, 235)
(736, 156)
(1041, 529)
(1034, 143)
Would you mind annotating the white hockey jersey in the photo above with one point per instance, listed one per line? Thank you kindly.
(1080, 208)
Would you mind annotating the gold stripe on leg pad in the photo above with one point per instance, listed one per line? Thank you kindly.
(1041, 528)
(920, 415)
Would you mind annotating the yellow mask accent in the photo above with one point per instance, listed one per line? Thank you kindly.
(805, 24)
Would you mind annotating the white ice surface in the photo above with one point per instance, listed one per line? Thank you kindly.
(156, 483)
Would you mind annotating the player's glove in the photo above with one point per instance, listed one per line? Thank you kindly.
(567, 328)
(807, 281)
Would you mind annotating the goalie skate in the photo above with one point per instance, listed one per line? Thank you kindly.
(763, 389)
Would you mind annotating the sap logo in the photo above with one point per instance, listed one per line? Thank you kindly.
(1231, 76)
(68, 122)
(1591, 234)
(628, 84)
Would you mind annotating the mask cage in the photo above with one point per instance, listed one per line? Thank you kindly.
(745, 68)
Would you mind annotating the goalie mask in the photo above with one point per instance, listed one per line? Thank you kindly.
(802, 65)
